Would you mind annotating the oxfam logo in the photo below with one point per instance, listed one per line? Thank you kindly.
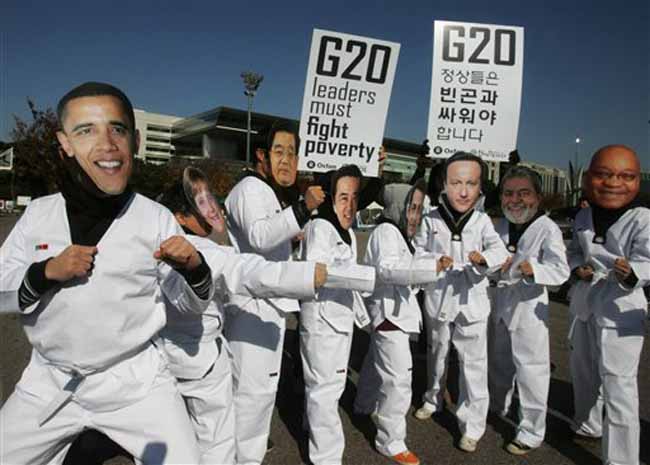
(311, 164)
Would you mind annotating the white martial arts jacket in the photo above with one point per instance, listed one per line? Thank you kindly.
(397, 270)
(462, 289)
(519, 301)
(613, 303)
(258, 224)
(190, 340)
(89, 324)
(338, 307)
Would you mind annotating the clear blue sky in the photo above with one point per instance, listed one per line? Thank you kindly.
(586, 69)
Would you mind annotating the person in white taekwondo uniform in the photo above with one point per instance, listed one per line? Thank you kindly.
(327, 322)
(263, 217)
(385, 381)
(197, 352)
(610, 256)
(467, 247)
(518, 327)
(90, 265)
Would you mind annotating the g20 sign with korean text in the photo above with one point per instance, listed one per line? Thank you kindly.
(347, 92)
(475, 89)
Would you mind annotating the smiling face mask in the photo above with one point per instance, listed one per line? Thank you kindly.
(202, 200)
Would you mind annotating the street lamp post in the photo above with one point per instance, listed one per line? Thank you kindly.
(577, 174)
(252, 82)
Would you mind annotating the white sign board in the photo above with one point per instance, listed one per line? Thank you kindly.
(7, 159)
(348, 87)
(23, 200)
(475, 89)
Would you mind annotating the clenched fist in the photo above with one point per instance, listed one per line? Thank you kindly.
(444, 263)
(506, 265)
(526, 268)
(314, 196)
(381, 161)
(178, 253)
(585, 272)
(320, 275)
(75, 261)
(477, 259)
(622, 268)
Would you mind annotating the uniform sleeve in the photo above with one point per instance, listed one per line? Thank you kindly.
(393, 267)
(494, 251)
(318, 246)
(252, 275)
(14, 263)
(174, 285)
(318, 243)
(639, 258)
(249, 211)
(552, 268)
(575, 256)
(422, 240)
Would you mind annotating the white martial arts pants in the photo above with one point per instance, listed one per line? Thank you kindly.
(325, 354)
(255, 342)
(210, 405)
(470, 341)
(385, 387)
(155, 428)
(521, 355)
(617, 352)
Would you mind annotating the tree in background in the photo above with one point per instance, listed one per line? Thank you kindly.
(36, 153)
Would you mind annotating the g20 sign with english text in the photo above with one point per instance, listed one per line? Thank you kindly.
(347, 92)
(475, 89)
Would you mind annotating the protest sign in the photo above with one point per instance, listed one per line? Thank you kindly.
(475, 89)
(347, 91)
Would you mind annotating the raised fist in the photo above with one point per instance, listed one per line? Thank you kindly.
(75, 261)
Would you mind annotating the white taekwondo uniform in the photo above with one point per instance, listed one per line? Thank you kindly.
(254, 327)
(93, 364)
(385, 380)
(607, 331)
(326, 327)
(197, 352)
(518, 329)
(457, 311)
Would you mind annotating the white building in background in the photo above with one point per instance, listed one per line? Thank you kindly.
(156, 131)
(554, 180)
(221, 133)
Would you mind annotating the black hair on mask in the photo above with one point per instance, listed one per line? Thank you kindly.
(518, 171)
(344, 171)
(465, 156)
(96, 89)
(281, 126)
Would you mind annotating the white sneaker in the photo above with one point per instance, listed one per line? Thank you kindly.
(518, 448)
(424, 412)
(467, 444)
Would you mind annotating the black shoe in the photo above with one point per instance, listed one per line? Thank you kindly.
(270, 445)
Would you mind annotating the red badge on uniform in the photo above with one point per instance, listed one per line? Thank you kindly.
(40, 247)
